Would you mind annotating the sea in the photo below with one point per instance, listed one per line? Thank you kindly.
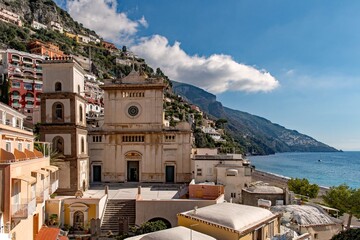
(323, 168)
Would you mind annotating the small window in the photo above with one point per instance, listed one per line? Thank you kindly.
(82, 145)
(81, 113)
(58, 87)
(78, 89)
(20, 146)
(8, 146)
(58, 112)
(233, 195)
(316, 236)
(199, 172)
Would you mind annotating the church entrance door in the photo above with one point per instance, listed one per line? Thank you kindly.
(133, 171)
(97, 173)
(170, 174)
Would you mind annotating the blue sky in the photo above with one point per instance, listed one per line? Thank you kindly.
(292, 62)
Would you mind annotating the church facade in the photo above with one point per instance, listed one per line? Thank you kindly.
(134, 144)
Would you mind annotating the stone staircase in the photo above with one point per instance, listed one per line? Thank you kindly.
(115, 212)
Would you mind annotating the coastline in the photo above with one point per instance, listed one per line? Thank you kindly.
(278, 180)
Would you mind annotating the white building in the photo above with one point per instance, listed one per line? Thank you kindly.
(38, 25)
(230, 170)
(10, 17)
(57, 26)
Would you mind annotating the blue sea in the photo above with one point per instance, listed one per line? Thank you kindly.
(323, 168)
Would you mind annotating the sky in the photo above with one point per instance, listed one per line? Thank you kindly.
(295, 63)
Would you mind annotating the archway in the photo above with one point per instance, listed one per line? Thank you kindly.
(167, 223)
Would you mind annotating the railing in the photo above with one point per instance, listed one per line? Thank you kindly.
(27, 61)
(15, 104)
(29, 106)
(29, 98)
(23, 210)
(42, 195)
(54, 186)
(15, 96)
(28, 87)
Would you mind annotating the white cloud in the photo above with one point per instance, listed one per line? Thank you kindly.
(217, 73)
(102, 16)
(143, 22)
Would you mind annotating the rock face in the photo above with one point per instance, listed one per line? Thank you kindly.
(44, 11)
(258, 135)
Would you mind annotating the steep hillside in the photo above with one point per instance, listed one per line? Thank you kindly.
(258, 135)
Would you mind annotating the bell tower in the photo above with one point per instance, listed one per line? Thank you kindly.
(63, 121)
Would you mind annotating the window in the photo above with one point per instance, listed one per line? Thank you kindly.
(316, 236)
(97, 138)
(133, 138)
(8, 146)
(58, 144)
(15, 84)
(170, 138)
(81, 113)
(58, 112)
(78, 89)
(199, 172)
(233, 195)
(58, 87)
(82, 145)
(20, 146)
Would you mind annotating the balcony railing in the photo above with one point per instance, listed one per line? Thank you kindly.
(42, 195)
(27, 61)
(15, 97)
(15, 104)
(29, 99)
(28, 87)
(29, 106)
(54, 186)
(23, 210)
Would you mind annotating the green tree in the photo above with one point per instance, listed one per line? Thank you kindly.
(350, 234)
(345, 199)
(220, 123)
(303, 187)
(149, 227)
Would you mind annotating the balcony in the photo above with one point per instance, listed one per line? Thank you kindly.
(30, 106)
(42, 195)
(28, 86)
(22, 211)
(17, 97)
(27, 61)
(54, 186)
(28, 98)
(15, 104)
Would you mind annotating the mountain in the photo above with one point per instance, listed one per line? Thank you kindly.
(44, 11)
(258, 135)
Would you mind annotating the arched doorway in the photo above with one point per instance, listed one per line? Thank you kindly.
(167, 223)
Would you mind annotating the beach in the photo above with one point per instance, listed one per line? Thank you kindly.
(277, 180)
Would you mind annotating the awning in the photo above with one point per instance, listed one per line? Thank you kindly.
(43, 172)
(26, 178)
(51, 168)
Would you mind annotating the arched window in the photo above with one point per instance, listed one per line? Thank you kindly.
(58, 112)
(58, 144)
(82, 145)
(78, 221)
(58, 87)
(81, 113)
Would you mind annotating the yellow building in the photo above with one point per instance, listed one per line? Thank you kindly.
(26, 178)
(229, 221)
(76, 212)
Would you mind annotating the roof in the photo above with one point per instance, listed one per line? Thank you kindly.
(264, 189)
(304, 215)
(234, 216)
(47, 233)
(176, 233)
